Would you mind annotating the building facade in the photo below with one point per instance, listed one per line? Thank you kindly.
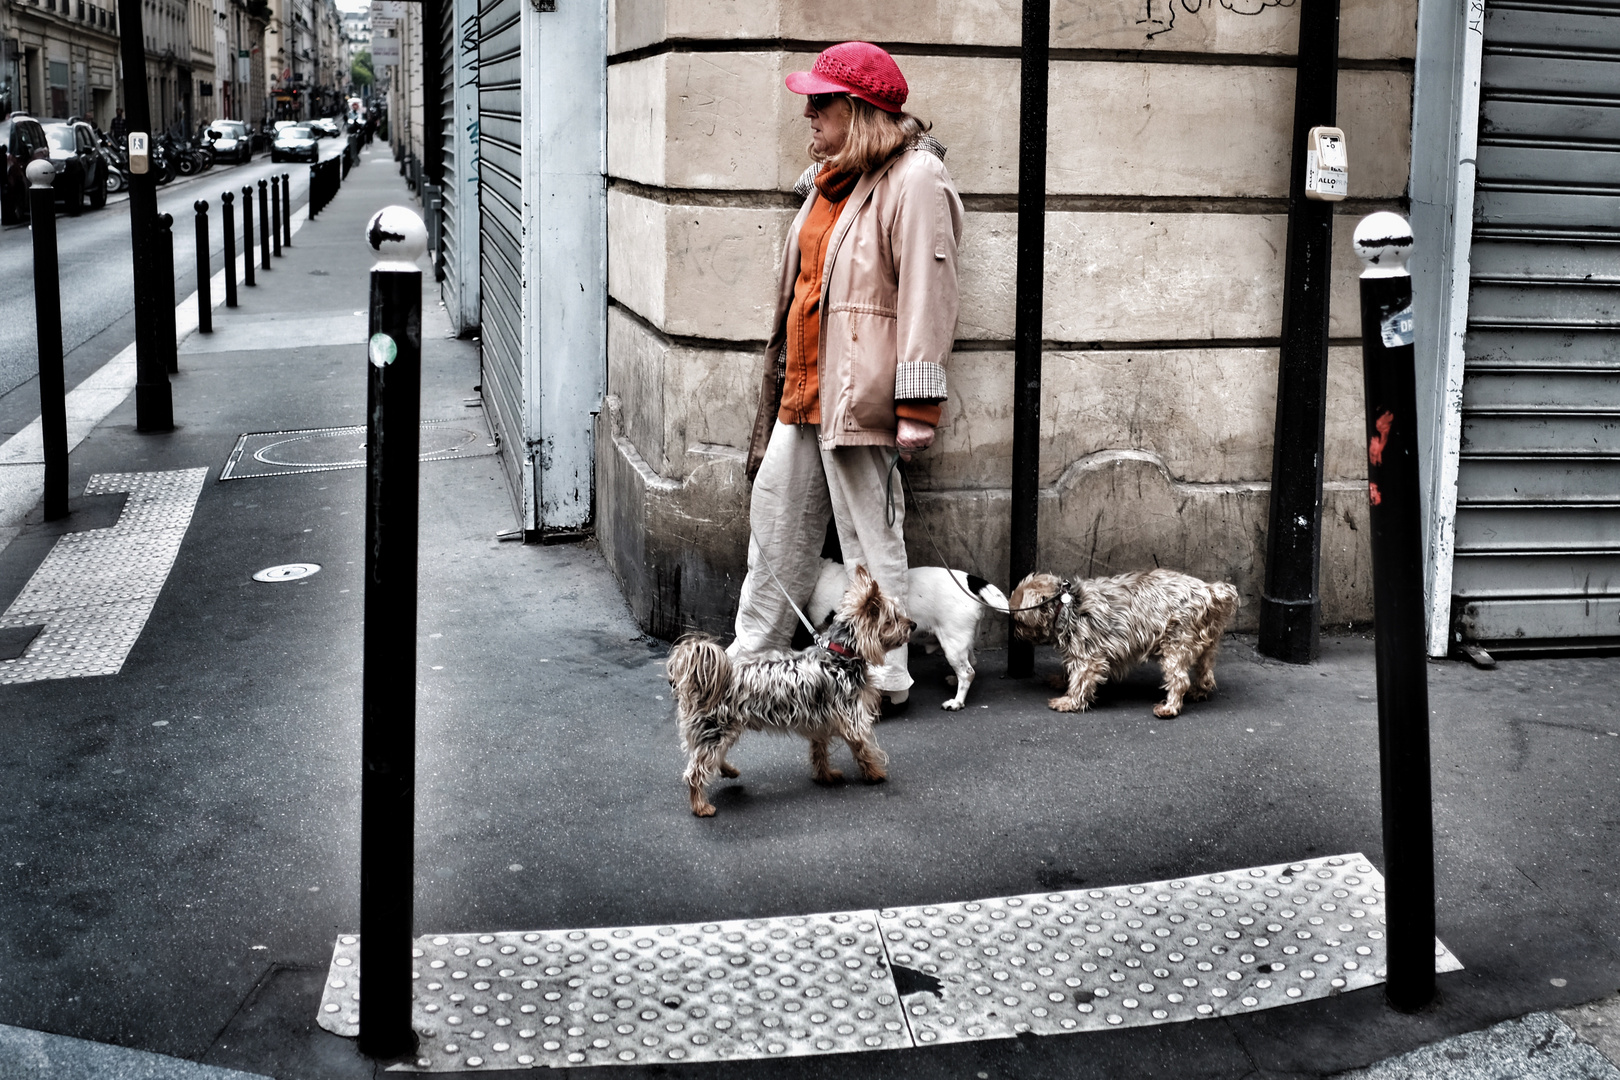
(1166, 193)
(60, 58)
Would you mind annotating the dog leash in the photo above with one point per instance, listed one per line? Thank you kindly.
(1064, 598)
(785, 594)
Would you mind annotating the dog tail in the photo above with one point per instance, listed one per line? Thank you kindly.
(986, 591)
(700, 673)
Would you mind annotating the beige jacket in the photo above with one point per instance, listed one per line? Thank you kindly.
(888, 303)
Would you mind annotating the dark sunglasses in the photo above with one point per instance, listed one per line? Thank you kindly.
(819, 102)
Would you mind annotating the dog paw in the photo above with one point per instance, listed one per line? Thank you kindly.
(877, 776)
(1066, 704)
(706, 810)
(1165, 710)
(1196, 694)
(952, 705)
(831, 776)
(730, 772)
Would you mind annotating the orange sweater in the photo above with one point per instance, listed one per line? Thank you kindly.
(801, 390)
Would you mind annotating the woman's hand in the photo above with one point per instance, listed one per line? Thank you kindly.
(912, 435)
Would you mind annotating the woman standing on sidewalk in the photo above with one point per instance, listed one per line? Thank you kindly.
(855, 366)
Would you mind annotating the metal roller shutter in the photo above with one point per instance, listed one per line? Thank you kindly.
(1537, 557)
(458, 256)
(500, 198)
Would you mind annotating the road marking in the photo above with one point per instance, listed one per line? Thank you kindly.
(22, 457)
(96, 589)
(1049, 963)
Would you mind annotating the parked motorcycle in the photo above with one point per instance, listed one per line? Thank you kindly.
(117, 163)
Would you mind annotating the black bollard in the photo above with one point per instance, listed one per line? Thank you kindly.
(286, 211)
(264, 227)
(247, 234)
(275, 218)
(388, 694)
(1388, 365)
(168, 335)
(205, 272)
(314, 190)
(227, 203)
(48, 321)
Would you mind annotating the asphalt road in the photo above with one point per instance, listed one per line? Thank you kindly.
(98, 280)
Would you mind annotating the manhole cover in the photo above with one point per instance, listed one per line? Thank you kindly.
(271, 453)
(287, 572)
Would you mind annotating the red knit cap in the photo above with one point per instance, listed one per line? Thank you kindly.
(856, 68)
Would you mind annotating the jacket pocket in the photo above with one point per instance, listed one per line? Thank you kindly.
(861, 353)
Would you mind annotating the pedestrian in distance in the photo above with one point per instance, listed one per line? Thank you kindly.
(120, 127)
(854, 370)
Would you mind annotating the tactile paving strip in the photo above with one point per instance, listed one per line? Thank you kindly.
(95, 589)
(1137, 955)
(1049, 963)
(815, 984)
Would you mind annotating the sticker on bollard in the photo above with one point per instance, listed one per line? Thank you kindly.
(1396, 328)
(383, 350)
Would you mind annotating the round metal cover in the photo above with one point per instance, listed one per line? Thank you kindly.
(287, 572)
(347, 446)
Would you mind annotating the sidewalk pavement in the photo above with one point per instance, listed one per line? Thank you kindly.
(181, 837)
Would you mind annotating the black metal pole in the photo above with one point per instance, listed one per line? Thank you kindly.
(1290, 602)
(48, 323)
(314, 190)
(264, 227)
(1396, 500)
(247, 235)
(1026, 450)
(286, 211)
(227, 203)
(154, 400)
(275, 217)
(205, 272)
(388, 694)
(168, 333)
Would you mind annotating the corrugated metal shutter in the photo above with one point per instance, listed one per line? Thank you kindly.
(448, 162)
(500, 199)
(1538, 494)
(459, 241)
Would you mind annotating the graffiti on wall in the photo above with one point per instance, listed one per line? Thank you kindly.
(1160, 15)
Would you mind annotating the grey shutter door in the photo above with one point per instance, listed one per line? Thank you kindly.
(500, 199)
(1537, 558)
(452, 166)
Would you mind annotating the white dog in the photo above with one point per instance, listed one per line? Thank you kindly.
(944, 610)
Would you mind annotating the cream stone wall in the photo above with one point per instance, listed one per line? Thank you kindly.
(1167, 184)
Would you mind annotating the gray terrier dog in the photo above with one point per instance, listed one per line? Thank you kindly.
(1104, 627)
(821, 693)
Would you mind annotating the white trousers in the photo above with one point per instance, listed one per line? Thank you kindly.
(798, 487)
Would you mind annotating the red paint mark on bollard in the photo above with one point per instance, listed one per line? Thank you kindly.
(1375, 445)
(1372, 494)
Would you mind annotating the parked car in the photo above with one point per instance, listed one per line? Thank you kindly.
(325, 128)
(21, 138)
(295, 143)
(80, 170)
(231, 141)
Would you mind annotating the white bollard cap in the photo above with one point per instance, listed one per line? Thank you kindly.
(1382, 242)
(41, 173)
(398, 238)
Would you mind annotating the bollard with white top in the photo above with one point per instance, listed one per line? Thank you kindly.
(205, 271)
(227, 203)
(1382, 242)
(48, 321)
(388, 693)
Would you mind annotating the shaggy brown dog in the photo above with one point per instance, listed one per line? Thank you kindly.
(1103, 627)
(822, 692)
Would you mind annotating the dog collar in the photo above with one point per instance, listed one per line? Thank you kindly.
(841, 650)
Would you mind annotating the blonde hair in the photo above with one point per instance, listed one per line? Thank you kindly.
(872, 137)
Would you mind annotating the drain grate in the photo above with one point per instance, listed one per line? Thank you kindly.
(277, 453)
